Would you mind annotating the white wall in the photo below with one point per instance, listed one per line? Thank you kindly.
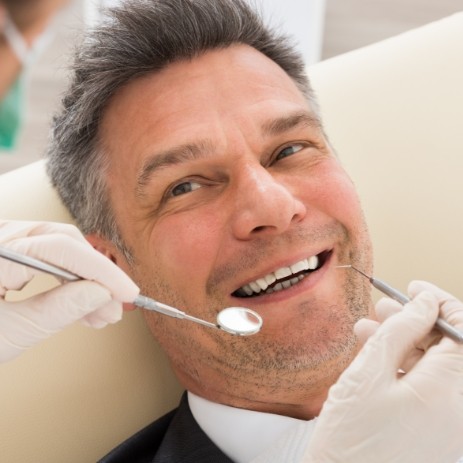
(302, 19)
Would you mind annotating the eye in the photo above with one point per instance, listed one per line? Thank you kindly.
(289, 151)
(183, 188)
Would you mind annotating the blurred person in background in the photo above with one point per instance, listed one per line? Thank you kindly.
(26, 28)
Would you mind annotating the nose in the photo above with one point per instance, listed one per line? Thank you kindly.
(263, 205)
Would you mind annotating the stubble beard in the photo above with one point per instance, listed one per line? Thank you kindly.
(300, 360)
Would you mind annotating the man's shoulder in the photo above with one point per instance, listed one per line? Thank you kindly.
(142, 446)
(174, 438)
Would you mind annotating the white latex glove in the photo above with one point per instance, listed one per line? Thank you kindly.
(96, 302)
(375, 415)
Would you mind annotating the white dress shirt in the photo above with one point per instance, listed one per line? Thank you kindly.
(247, 436)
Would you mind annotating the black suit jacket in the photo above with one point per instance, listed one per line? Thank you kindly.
(174, 438)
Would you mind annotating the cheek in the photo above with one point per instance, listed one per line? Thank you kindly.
(345, 202)
(335, 194)
(187, 244)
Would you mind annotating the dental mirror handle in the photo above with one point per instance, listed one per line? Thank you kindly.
(140, 301)
(150, 304)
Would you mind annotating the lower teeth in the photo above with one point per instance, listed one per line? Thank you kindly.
(285, 284)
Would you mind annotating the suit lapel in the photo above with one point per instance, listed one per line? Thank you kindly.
(186, 442)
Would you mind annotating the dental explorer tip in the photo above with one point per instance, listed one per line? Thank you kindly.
(357, 270)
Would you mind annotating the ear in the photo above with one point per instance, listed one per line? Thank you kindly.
(107, 248)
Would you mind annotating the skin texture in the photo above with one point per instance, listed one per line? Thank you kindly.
(219, 174)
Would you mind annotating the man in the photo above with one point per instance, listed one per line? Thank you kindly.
(218, 179)
(191, 153)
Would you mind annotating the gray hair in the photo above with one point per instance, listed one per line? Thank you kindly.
(137, 38)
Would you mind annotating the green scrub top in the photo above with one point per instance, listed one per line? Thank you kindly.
(10, 116)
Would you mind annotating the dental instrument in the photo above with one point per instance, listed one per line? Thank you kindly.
(445, 327)
(239, 321)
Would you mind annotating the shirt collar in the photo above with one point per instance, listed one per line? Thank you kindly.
(239, 433)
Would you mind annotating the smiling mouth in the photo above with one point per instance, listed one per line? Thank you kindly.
(283, 278)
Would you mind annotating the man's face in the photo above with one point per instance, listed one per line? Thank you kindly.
(222, 181)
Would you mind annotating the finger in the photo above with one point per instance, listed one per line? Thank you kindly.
(411, 326)
(365, 328)
(62, 305)
(396, 338)
(386, 307)
(14, 276)
(80, 258)
(421, 347)
(451, 309)
(413, 357)
(417, 286)
(24, 324)
(109, 313)
(11, 230)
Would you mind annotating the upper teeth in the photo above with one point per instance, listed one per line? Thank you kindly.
(261, 284)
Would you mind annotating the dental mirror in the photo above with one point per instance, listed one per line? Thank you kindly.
(239, 321)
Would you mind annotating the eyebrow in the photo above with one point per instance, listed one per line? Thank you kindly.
(282, 124)
(176, 155)
(202, 148)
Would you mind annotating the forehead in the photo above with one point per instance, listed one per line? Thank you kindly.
(196, 98)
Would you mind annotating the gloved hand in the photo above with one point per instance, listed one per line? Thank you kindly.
(375, 414)
(96, 302)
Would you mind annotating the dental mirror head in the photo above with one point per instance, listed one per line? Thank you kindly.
(239, 321)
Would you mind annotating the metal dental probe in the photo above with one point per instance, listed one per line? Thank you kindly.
(239, 321)
(395, 294)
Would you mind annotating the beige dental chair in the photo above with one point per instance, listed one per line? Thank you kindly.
(393, 111)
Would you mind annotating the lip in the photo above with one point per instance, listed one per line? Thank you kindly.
(306, 284)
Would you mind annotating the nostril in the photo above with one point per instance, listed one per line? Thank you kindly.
(259, 228)
(264, 206)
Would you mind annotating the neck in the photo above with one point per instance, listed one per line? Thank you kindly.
(304, 403)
